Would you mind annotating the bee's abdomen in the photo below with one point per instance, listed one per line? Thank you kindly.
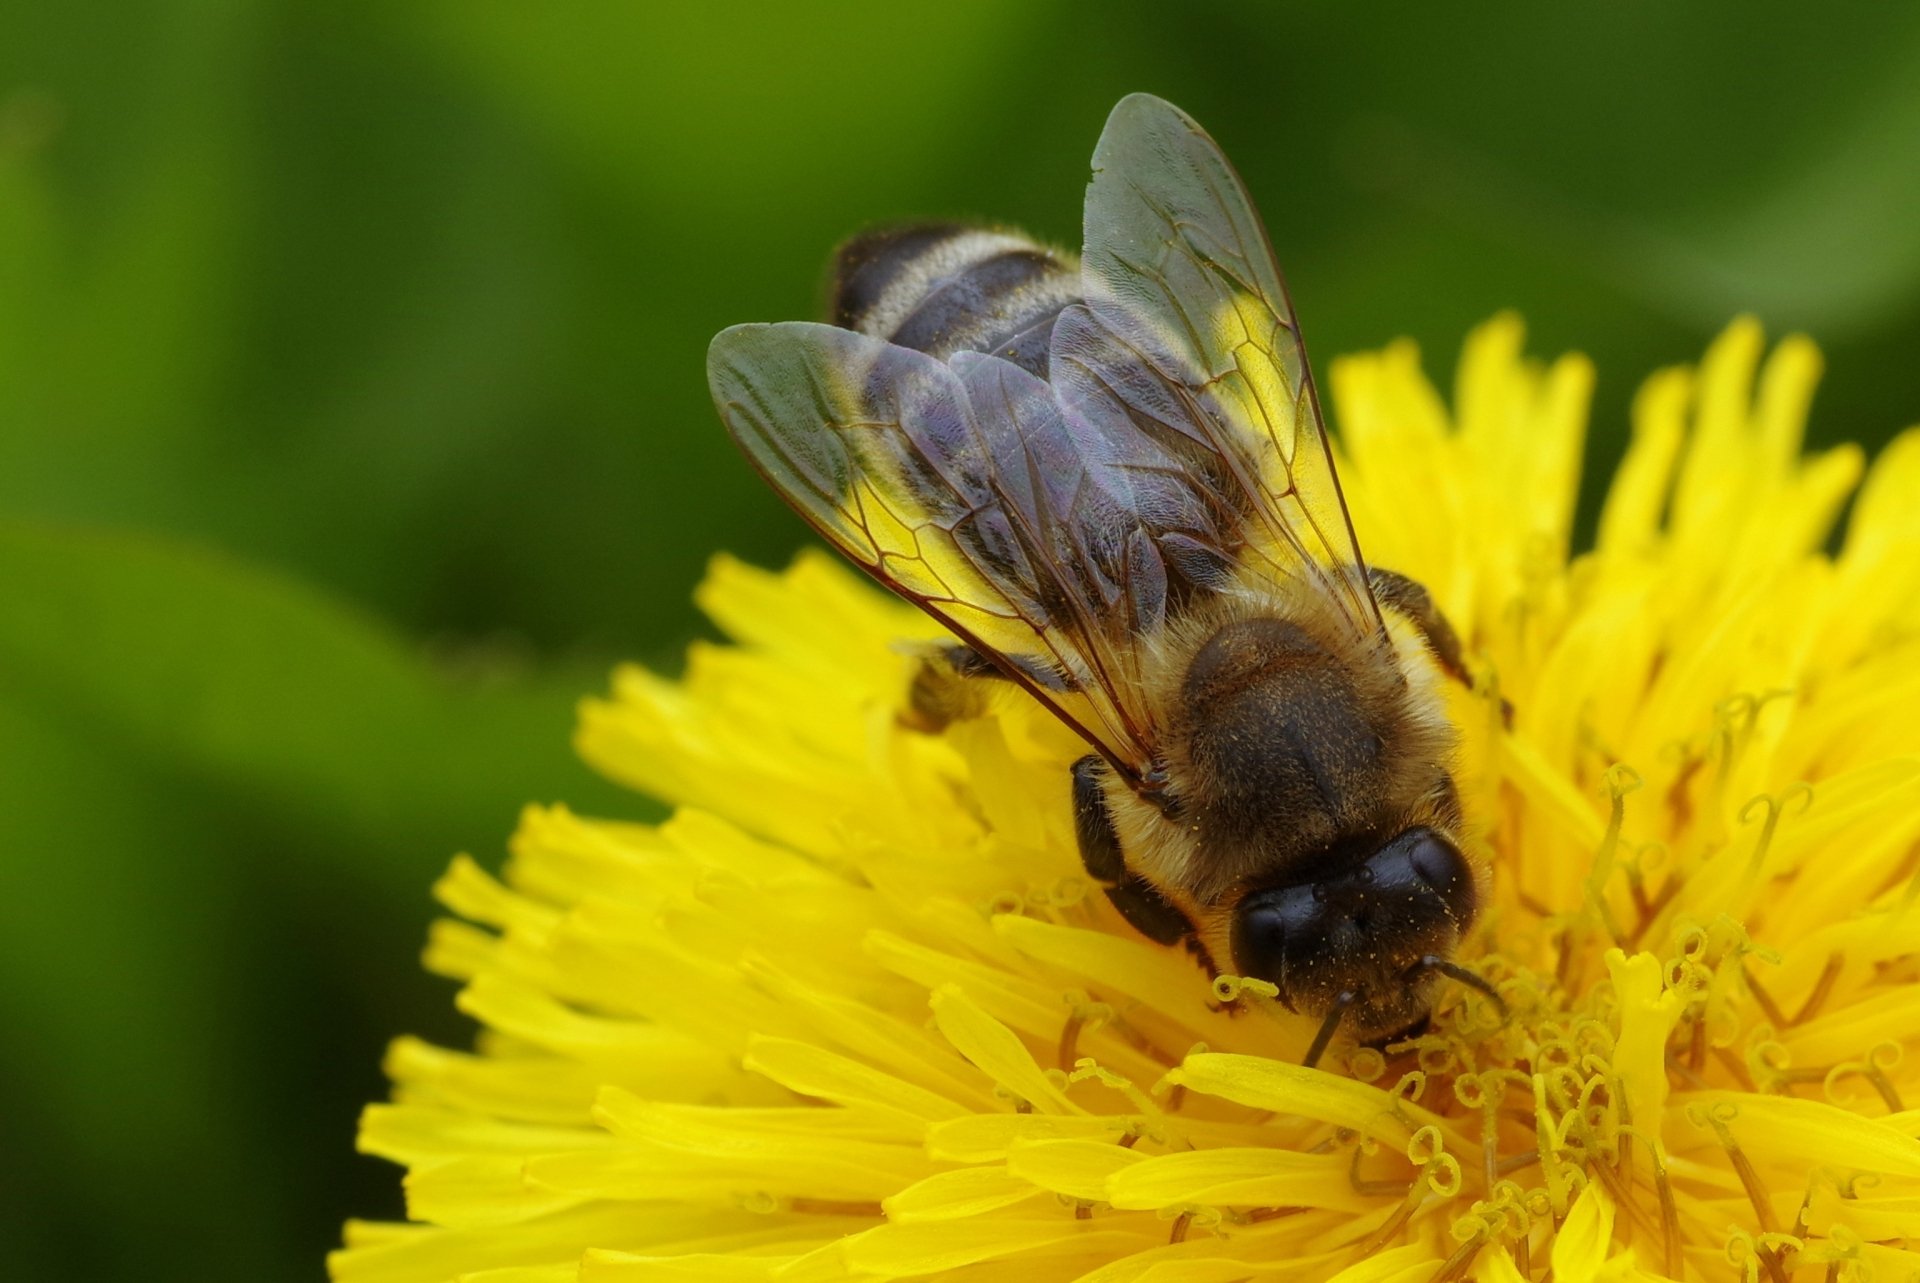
(944, 288)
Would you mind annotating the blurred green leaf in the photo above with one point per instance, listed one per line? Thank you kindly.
(793, 96)
(261, 686)
(119, 1055)
(218, 782)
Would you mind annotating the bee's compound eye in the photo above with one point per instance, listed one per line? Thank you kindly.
(1437, 863)
(1264, 925)
(1424, 857)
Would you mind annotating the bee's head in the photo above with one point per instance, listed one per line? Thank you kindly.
(1361, 937)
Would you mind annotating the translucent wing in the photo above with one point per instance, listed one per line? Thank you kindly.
(1187, 336)
(1053, 526)
(962, 486)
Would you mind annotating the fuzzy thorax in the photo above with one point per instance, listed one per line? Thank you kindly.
(1291, 742)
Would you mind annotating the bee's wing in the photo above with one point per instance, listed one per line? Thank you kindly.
(1187, 335)
(962, 487)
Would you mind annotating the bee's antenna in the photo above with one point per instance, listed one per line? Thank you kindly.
(1472, 980)
(1328, 1027)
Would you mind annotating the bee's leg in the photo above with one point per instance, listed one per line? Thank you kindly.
(1138, 901)
(1411, 598)
(943, 691)
(965, 661)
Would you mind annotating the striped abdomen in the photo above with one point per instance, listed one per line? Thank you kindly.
(944, 288)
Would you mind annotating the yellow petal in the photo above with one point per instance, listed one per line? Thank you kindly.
(1391, 1266)
(1648, 1013)
(1777, 1128)
(955, 1195)
(1585, 1239)
(1260, 1083)
(996, 1050)
(1236, 1177)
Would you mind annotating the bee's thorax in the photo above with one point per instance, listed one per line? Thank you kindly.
(1294, 745)
(1286, 748)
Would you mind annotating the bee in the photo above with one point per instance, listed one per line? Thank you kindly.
(1110, 479)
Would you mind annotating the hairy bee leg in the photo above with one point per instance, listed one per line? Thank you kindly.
(1149, 912)
(942, 691)
(965, 661)
(1137, 900)
(1093, 826)
(1411, 598)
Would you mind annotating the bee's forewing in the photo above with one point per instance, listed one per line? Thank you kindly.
(1188, 335)
(962, 489)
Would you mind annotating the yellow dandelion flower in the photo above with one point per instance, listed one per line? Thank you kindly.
(852, 1012)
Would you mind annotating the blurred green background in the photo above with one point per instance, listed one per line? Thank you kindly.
(352, 423)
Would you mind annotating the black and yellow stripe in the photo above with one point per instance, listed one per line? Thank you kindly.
(943, 288)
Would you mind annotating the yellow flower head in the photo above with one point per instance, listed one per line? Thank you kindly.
(852, 1012)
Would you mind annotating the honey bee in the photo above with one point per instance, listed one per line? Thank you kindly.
(1110, 479)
